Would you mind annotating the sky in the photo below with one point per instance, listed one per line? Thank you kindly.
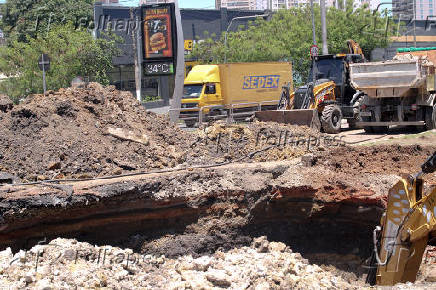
(182, 3)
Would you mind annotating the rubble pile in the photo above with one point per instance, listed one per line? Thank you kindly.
(85, 132)
(67, 263)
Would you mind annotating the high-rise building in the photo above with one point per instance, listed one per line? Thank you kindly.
(256, 4)
(239, 4)
(286, 4)
(423, 8)
(149, 2)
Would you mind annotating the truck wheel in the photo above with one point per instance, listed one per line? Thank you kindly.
(367, 129)
(374, 129)
(352, 124)
(331, 119)
(380, 129)
(430, 118)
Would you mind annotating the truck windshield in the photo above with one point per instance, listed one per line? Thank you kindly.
(192, 91)
(329, 69)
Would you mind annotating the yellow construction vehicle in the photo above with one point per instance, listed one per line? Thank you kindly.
(408, 224)
(326, 99)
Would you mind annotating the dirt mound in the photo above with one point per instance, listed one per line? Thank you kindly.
(97, 131)
(82, 132)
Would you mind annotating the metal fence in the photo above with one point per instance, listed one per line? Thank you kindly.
(229, 109)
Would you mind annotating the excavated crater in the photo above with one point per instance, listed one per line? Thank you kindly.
(201, 211)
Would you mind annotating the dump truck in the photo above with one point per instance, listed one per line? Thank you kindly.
(325, 100)
(407, 226)
(215, 91)
(396, 92)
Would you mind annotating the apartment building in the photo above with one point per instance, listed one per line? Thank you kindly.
(404, 9)
(286, 4)
(149, 2)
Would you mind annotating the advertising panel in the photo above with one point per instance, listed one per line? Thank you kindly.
(158, 34)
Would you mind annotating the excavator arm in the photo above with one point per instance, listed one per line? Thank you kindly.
(405, 229)
(354, 48)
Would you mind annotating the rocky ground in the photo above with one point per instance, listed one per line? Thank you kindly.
(63, 264)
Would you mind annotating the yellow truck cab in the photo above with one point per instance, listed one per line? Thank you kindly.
(241, 86)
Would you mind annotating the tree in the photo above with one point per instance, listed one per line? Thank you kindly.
(73, 53)
(24, 19)
(288, 37)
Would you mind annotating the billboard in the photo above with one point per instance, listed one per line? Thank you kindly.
(158, 31)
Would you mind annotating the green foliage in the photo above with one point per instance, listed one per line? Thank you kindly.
(24, 19)
(288, 36)
(146, 99)
(72, 52)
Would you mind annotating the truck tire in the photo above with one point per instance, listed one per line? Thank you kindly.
(374, 129)
(430, 118)
(367, 129)
(331, 119)
(380, 129)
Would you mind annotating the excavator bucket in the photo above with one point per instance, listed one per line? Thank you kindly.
(301, 117)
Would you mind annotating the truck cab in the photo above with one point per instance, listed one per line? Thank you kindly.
(202, 87)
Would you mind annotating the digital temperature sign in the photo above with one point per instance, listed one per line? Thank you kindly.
(159, 68)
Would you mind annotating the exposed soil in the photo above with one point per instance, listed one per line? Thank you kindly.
(382, 159)
(324, 204)
(97, 131)
(65, 134)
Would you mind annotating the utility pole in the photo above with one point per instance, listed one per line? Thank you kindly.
(314, 43)
(325, 49)
(180, 67)
(414, 22)
(136, 55)
(313, 23)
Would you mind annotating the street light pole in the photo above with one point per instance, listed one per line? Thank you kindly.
(313, 23)
(414, 22)
(314, 43)
(325, 48)
(230, 25)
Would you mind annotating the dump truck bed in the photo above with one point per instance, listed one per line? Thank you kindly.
(396, 78)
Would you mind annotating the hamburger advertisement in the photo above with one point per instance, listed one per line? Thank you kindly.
(158, 32)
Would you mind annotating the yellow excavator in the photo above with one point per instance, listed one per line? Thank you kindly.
(327, 97)
(407, 226)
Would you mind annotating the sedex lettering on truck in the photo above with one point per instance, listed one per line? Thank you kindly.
(261, 82)
(215, 90)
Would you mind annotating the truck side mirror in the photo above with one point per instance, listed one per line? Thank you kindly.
(210, 89)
